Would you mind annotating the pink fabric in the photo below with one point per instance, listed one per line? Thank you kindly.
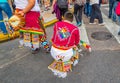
(32, 19)
(118, 9)
(65, 34)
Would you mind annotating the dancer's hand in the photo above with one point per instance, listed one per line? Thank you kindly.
(21, 13)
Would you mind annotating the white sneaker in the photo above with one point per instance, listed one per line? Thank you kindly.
(93, 23)
(101, 24)
(55, 73)
(75, 62)
(21, 44)
(62, 74)
(79, 50)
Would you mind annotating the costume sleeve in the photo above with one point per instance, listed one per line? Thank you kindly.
(77, 37)
(54, 32)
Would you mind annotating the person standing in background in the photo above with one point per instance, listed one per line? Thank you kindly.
(78, 8)
(111, 7)
(87, 9)
(5, 7)
(96, 12)
(114, 16)
(61, 9)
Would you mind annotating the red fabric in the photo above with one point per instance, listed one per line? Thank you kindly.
(118, 9)
(32, 19)
(71, 39)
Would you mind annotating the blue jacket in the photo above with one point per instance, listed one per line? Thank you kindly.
(3, 1)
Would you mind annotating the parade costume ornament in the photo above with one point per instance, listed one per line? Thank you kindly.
(17, 22)
(34, 38)
(64, 46)
(64, 61)
(85, 45)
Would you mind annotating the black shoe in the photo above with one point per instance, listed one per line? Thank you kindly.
(48, 50)
(35, 51)
(109, 17)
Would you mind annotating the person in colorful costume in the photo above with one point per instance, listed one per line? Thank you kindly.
(32, 35)
(64, 46)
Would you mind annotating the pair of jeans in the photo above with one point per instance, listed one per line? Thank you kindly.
(6, 8)
(96, 13)
(111, 6)
(78, 12)
(113, 11)
(87, 9)
(110, 9)
(62, 12)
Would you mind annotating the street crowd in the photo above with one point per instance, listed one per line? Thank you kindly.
(90, 7)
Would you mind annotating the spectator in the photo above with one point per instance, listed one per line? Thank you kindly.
(87, 9)
(114, 16)
(111, 8)
(78, 8)
(96, 12)
(4, 6)
(62, 10)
